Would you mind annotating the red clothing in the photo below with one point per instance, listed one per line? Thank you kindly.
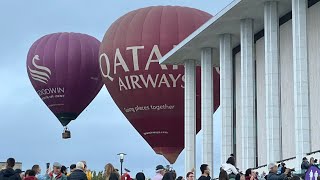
(30, 178)
(125, 176)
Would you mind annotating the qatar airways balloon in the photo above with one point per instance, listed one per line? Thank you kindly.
(151, 95)
(64, 70)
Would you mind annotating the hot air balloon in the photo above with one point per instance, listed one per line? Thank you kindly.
(64, 71)
(151, 96)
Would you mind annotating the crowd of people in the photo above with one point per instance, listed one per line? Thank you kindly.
(228, 171)
(79, 171)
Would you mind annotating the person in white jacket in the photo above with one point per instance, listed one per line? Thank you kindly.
(229, 166)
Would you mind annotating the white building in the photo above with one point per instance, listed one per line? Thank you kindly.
(268, 52)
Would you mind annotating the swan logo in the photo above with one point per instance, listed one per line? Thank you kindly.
(41, 73)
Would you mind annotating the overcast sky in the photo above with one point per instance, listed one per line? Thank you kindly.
(29, 131)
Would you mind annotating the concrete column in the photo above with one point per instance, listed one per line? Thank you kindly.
(248, 135)
(207, 106)
(272, 78)
(190, 114)
(300, 80)
(226, 95)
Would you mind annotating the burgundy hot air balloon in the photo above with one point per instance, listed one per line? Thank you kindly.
(63, 69)
(150, 95)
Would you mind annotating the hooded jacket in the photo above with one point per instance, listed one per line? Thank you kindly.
(9, 174)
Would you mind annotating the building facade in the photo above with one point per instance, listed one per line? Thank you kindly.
(269, 59)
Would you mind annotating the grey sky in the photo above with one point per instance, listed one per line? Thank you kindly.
(29, 131)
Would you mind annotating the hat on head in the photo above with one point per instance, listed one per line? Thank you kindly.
(56, 164)
(159, 167)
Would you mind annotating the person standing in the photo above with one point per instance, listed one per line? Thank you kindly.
(190, 176)
(9, 173)
(36, 168)
(160, 171)
(205, 172)
(56, 174)
(78, 173)
(273, 173)
(87, 171)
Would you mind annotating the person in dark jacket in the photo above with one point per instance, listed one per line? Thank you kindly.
(9, 173)
(305, 164)
(78, 173)
(273, 168)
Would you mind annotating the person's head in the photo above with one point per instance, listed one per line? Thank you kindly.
(231, 160)
(168, 176)
(85, 165)
(204, 168)
(180, 178)
(283, 164)
(140, 176)
(223, 175)
(304, 159)
(73, 167)
(311, 160)
(80, 166)
(36, 168)
(160, 170)
(32, 173)
(108, 169)
(11, 162)
(56, 168)
(250, 172)
(64, 170)
(190, 176)
(26, 174)
(273, 167)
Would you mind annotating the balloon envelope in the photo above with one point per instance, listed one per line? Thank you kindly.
(150, 95)
(63, 69)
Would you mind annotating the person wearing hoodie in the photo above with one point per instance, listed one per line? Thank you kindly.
(31, 175)
(56, 173)
(9, 173)
(78, 173)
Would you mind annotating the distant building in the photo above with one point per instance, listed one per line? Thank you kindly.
(17, 166)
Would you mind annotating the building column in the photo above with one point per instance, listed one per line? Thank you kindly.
(300, 80)
(226, 95)
(207, 106)
(272, 78)
(190, 114)
(248, 135)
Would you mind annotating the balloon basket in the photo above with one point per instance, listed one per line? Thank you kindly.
(66, 133)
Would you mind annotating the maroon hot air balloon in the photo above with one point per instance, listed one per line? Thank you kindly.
(150, 95)
(63, 69)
